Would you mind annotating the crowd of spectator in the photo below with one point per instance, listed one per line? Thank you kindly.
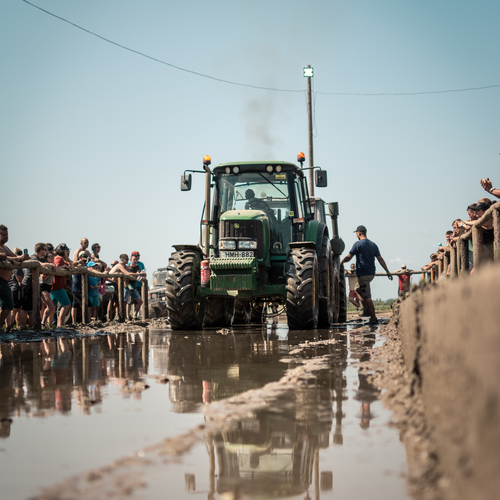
(57, 293)
(474, 212)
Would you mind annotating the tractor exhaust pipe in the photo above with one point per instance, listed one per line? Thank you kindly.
(334, 214)
(208, 178)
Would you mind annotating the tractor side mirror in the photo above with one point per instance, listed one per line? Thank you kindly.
(186, 182)
(321, 180)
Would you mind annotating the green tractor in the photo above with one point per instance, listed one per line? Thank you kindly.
(264, 242)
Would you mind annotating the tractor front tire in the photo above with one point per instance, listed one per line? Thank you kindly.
(302, 297)
(185, 312)
(218, 312)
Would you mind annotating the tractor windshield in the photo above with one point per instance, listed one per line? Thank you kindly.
(255, 191)
(264, 191)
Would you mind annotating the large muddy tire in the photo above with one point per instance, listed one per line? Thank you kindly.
(342, 297)
(218, 312)
(326, 284)
(242, 312)
(257, 312)
(185, 312)
(302, 289)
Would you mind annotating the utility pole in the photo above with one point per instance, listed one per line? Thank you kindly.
(309, 73)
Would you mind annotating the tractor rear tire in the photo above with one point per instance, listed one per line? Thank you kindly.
(326, 281)
(336, 293)
(185, 312)
(218, 312)
(302, 297)
(342, 296)
(242, 312)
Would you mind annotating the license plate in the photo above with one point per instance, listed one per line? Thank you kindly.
(226, 254)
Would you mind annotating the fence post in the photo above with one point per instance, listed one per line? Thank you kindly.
(121, 300)
(432, 274)
(463, 248)
(144, 297)
(446, 263)
(477, 245)
(440, 269)
(35, 278)
(85, 298)
(453, 258)
(496, 234)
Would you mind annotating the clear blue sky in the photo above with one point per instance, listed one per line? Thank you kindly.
(93, 138)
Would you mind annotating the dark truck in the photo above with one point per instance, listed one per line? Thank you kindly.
(264, 241)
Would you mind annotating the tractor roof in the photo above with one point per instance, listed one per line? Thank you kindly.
(259, 166)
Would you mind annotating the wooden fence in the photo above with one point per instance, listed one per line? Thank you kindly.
(457, 256)
(37, 268)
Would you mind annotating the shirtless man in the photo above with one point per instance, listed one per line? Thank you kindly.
(8, 255)
(84, 245)
(353, 280)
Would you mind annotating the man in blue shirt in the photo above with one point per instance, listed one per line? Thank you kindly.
(365, 252)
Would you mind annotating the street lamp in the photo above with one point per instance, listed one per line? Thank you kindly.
(309, 73)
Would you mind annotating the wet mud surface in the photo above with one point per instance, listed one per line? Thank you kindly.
(135, 410)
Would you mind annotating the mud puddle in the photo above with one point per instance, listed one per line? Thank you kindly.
(253, 413)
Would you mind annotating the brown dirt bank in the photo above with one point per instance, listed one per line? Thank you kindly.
(451, 346)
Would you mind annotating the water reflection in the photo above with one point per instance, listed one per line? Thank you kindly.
(367, 393)
(275, 452)
(211, 367)
(42, 378)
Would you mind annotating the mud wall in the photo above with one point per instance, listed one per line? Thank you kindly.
(450, 333)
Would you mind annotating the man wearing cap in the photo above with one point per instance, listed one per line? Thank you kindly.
(404, 281)
(365, 252)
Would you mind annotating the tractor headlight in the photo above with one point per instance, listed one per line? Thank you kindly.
(247, 245)
(227, 244)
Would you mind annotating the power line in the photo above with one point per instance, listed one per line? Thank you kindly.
(411, 93)
(156, 59)
(247, 84)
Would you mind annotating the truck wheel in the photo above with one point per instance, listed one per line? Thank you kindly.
(302, 297)
(185, 312)
(242, 312)
(326, 282)
(218, 312)
(256, 312)
(342, 297)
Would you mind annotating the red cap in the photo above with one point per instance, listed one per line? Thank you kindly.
(135, 253)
